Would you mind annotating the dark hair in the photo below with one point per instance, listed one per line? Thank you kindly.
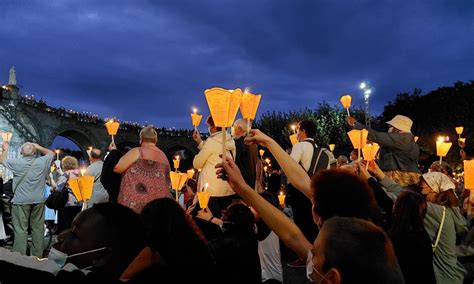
(241, 220)
(408, 213)
(309, 128)
(211, 123)
(192, 184)
(96, 153)
(173, 233)
(340, 193)
(469, 148)
(360, 251)
(274, 183)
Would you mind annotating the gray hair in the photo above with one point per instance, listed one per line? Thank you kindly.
(241, 123)
(28, 149)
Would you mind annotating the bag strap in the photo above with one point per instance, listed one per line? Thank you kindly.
(22, 178)
(440, 229)
(315, 158)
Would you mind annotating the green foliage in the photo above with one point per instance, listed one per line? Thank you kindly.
(330, 121)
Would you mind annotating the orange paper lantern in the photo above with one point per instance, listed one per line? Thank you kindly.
(469, 174)
(332, 146)
(370, 151)
(249, 105)
(112, 127)
(6, 136)
(190, 173)
(281, 198)
(223, 105)
(442, 148)
(294, 139)
(176, 163)
(261, 152)
(346, 101)
(416, 138)
(82, 187)
(178, 180)
(196, 119)
(358, 138)
(203, 198)
(459, 130)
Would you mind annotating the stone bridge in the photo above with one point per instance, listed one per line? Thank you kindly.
(35, 121)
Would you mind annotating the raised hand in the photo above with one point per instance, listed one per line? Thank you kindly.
(258, 137)
(231, 172)
(197, 137)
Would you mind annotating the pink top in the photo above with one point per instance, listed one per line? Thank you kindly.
(148, 178)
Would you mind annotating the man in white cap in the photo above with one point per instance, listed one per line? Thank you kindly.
(399, 153)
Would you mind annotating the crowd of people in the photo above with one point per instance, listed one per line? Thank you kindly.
(345, 220)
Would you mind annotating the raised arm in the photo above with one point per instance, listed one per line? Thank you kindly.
(288, 232)
(43, 150)
(127, 160)
(295, 173)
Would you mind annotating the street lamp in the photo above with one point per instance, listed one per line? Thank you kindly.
(367, 90)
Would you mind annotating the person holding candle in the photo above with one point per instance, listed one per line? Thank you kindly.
(399, 154)
(145, 173)
(99, 194)
(29, 181)
(246, 155)
(312, 158)
(207, 158)
(70, 167)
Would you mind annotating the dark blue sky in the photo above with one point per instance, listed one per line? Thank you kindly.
(151, 60)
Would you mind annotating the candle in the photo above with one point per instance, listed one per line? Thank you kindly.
(176, 163)
(195, 118)
(261, 152)
(83, 171)
(190, 173)
(57, 155)
(203, 197)
(281, 198)
(294, 128)
(267, 160)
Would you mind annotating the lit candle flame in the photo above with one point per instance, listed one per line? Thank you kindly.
(195, 110)
(440, 138)
(83, 171)
(206, 186)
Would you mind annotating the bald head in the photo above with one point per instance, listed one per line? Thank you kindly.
(240, 127)
(95, 154)
(28, 149)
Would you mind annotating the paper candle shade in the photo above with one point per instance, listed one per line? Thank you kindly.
(332, 146)
(112, 127)
(203, 198)
(469, 174)
(7, 136)
(176, 162)
(223, 105)
(249, 105)
(281, 198)
(462, 141)
(82, 187)
(294, 139)
(261, 152)
(190, 173)
(370, 151)
(416, 138)
(358, 138)
(459, 130)
(196, 119)
(346, 101)
(178, 180)
(442, 148)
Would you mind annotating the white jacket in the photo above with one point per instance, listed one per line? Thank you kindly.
(208, 158)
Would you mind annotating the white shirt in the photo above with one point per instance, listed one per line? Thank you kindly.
(270, 258)
(302, 152)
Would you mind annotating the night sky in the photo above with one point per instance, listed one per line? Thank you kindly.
(150, 61)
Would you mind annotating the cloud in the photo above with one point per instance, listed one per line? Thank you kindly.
(152, 60)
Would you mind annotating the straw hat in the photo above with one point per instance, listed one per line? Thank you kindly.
(401, 122)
